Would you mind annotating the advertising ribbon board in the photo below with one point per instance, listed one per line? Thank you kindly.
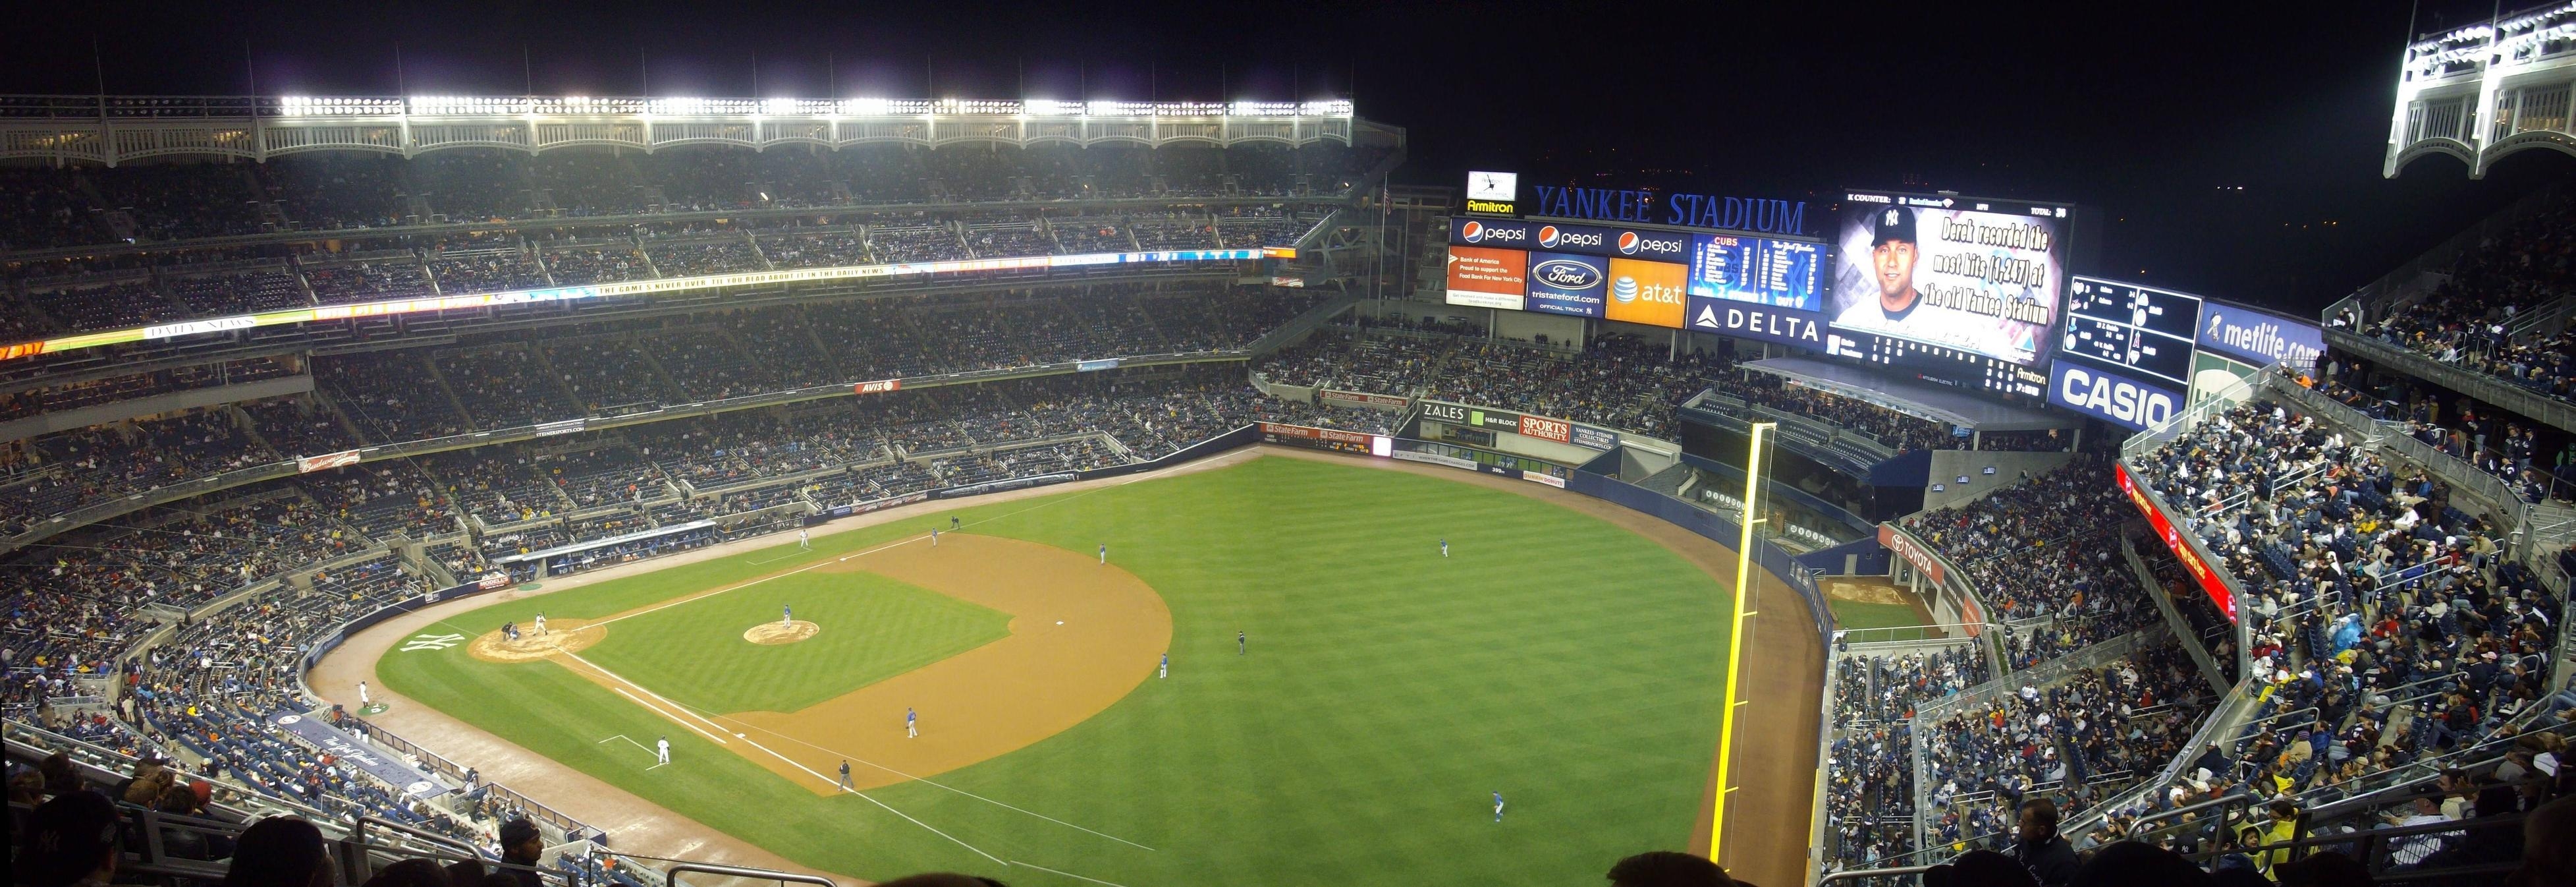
(1903, 545)
(2210, 583)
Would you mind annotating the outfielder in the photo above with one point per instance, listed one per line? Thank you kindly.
(662, 750)
(911, 723)
(1498, 806)
(1238, 643)
(1444, 547)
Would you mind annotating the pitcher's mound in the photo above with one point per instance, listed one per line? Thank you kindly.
(562, 636)
(781, 633)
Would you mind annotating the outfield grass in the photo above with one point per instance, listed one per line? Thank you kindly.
(1387, 693)
(874, 628)
(1849, 615)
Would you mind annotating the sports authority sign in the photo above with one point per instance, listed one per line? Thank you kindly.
(1544, 428)
(1904, 547)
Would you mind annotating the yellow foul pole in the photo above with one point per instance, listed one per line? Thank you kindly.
(1735, 640)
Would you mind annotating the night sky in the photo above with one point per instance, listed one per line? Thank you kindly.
(2153, 113)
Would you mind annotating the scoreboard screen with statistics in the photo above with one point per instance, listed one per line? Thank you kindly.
(2142, 330)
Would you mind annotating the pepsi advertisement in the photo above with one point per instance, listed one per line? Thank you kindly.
(1501, 233)
(1591, 240)
(1566, 283)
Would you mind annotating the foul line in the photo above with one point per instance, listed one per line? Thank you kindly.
(621, 691)
(897, 543)
(935, 784)
(773, 753)
(1066, 874)
(638, 745)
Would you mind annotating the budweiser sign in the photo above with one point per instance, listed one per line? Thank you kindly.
(1905, 547)
(879, 386)
(310, 464)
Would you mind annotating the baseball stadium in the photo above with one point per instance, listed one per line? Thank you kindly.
(476, 489)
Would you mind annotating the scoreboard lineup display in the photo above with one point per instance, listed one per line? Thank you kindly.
(2126, 353)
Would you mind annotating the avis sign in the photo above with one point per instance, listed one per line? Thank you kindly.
(2119, 399)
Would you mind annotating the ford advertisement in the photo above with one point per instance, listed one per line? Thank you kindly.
(1563, 283)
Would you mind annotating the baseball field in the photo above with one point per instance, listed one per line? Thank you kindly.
(1355, 731)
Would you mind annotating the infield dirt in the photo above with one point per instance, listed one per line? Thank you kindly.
(1083, 635)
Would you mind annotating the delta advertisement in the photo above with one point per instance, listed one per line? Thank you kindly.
(1981, 276)
(2210, 583)
(2257, 337)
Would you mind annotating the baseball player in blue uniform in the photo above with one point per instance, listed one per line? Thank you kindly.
(1444, 548)
(1104, 552)
(911, 723)
(1160, 671)
(1498, 806)
(786, 615)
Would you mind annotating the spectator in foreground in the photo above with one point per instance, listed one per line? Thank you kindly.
(410, 873)
(2039, 848)
(520, 847)
(280, 851)
(2125, 864)
(2548, 846)
(70, 840)
(1666, 868)
(1979, 868)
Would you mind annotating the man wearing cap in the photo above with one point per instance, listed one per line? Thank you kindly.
(1901, 309)
(70, 840)
(521, 846)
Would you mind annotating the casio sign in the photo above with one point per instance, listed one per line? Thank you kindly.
(1551, 237)
(2112, 397)
(1631, 243)
(1566, 274)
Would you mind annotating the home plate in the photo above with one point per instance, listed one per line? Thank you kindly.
(740, 736)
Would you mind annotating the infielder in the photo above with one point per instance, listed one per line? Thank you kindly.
(952, 522)
(662, 750)
(786, 616)
(934, 537)
(541, 623)
(1498, 806)
(911, 723)
(845, 777)
(1104, 553)
(803, 542)
(1160, 671)
(1444, 547)
(362, 693)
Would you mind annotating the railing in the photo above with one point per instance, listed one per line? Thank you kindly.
(673, 874)
(2459, 475)
(2507, 395)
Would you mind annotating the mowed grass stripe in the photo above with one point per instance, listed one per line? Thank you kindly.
(873, 628)
(1387, 693)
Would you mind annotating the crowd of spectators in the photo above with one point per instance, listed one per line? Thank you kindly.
(2471, 318)
(2043, 554)
(2387, 627)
